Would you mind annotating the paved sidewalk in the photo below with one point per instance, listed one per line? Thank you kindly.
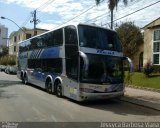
(142, 97)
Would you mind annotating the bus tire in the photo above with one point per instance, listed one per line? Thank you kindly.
(49, 86)
(25, 78)
(59, 90)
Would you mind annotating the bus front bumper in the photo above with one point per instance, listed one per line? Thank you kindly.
(95, 96)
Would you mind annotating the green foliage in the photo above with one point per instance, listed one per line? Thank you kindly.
(112, 3)
(128, 78)
(8, 60)
(4, 51)
(131, 37)
(156, 68)
(148, 69)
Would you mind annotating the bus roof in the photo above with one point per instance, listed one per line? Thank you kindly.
(62, 26)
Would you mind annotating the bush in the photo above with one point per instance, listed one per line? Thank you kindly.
(156, 68)
(8, 60)
(148, 68)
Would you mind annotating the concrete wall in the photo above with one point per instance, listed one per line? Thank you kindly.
(137, 57)
(148, 45)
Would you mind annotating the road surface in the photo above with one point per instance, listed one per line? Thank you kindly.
(21, 103)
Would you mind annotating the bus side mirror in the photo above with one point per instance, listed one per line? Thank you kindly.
(86, 63)
(130, 63)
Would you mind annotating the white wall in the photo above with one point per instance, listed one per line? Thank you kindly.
(3, 34)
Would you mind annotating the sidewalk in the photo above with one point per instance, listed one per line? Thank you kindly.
(142, 97)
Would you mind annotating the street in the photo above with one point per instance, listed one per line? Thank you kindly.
(21, 103)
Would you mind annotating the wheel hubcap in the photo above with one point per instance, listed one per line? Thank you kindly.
(59, 90)
(50, 87)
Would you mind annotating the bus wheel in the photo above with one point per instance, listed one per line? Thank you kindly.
(25, 79)
(49, 86)
(59, 90)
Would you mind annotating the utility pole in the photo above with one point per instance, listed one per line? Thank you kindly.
(35, 21)
(111, 18)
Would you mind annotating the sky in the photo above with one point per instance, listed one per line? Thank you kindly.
(53, 13)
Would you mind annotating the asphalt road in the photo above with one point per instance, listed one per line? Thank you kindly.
(21, 103)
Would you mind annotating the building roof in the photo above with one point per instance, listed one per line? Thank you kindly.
(27, 29)
(152, 24)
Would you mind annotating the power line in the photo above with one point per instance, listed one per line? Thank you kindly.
(45, 5)
(27, 20)
(39, 8)
(133, 12)
(108, 12)
(77, 15)
(97, 17)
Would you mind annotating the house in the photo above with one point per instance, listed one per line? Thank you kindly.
(138, 58)
(152, 42)
(149, 50)
(18, 36)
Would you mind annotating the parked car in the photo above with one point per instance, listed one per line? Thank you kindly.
(2, 68)
(11, 70)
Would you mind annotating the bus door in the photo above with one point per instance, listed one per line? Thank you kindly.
(72, 62)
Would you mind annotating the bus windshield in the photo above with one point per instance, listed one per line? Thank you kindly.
(102, 69)
(99, 38)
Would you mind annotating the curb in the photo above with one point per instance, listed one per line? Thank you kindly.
(143, 88)
(141, 102)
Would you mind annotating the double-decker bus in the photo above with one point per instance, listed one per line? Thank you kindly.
(81, 62)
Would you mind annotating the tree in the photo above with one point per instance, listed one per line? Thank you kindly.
(131, 37)
(111, 5)
(3, 51)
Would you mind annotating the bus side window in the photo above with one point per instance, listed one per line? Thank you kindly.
(71, 35)
(71, 48)
(58, 37)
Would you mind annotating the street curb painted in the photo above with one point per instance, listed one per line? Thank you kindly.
(141, 102)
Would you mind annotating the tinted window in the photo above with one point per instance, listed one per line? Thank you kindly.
(58, 37)
(47, 65)
(71, 35)
(72, 67)
(50, 39)
(28, 36)
(102, 69)
(53, 38)
(23, 47)
(94, 37)
(33, 43)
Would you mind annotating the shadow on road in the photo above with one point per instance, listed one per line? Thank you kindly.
(111, 105)
(119, 107)
(36, 87)
(3, 85)
(6, 83)
(5, 95)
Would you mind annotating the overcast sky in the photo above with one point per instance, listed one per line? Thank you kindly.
(52, 13)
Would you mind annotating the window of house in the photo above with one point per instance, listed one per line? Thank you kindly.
(14, 48)
(15, 39)
(156, 47)
(19, 37)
